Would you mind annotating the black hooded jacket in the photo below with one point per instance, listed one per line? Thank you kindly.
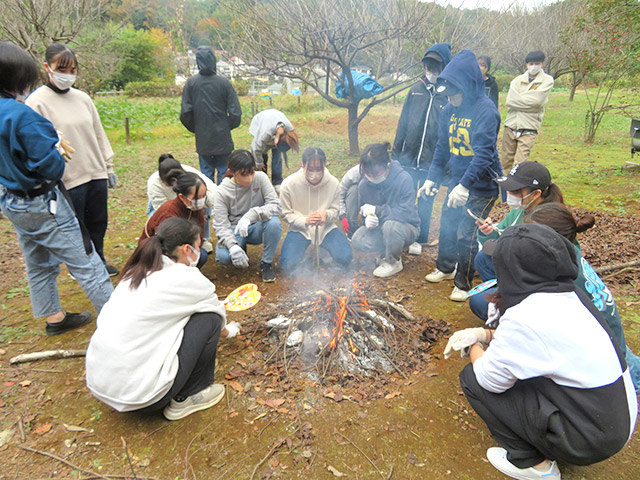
(491, 87)
(210, 107)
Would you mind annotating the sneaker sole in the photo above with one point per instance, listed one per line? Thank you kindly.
(446, 277)
(459, 300)
(193, 409)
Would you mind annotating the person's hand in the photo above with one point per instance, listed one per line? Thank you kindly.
(317, 218)
(367, 209)
(112, 180)
(371, 221)
(428, 189)
(345, 225)
(485, 227)
(242, 228)
(233, 329)
(458, 196)
(238, 257)
(64, 147)
(463, 339)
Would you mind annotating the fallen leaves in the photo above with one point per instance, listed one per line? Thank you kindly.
(235, 385)
(41, 430)
(336, 472)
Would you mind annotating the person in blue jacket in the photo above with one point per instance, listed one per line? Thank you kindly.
(34, 200)
(467, 141)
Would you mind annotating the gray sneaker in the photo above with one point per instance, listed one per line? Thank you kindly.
(202, 400)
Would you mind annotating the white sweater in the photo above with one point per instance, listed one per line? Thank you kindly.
(132, 358)
(159, 193)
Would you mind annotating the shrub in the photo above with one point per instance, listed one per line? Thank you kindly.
(152, 88)
(242, 87)
(504, 80)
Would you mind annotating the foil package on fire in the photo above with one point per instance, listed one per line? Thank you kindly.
(279, 322)
(295, 338)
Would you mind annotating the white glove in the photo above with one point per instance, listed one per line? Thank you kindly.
(366, 210)
(428, 189)
(463, 339)
(371, 221)
(238, 256)
(242, 228)
(458, 196)
(233, 329)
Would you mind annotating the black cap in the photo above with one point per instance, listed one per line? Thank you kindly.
(527, 174)
(445, 87)
(432, 55)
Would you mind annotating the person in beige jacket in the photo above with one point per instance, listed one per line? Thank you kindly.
(528, 94)
(310, 201)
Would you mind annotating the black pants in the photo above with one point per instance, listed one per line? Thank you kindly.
(425, 206)
(196, 357)
(90, 203)
(458, 233)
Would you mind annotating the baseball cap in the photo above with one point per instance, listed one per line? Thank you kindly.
(527, 174)
(445, 87)
(432, 55)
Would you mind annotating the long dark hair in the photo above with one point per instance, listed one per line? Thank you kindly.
(187, 183)
(552, 194)
(147, 258)
(18, 71)
(169, 169)
(240, 161)
(313, 154)
(374, 154)
(61, 55)
(561, 219)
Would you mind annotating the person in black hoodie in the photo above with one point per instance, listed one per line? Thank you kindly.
(490, 84)
(210, 109)
(417, 132)
(387, 199)
(553, 384)
(467, 141)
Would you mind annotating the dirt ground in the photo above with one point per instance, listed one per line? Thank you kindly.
(392, 427)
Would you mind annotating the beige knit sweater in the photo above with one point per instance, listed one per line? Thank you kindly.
(75, 115)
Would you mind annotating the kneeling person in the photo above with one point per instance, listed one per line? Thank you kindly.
(310, 201)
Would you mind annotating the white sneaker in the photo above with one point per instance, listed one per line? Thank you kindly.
(437, 276)
(198, 401)
(458, 295)
(206, 246)
(415, 249)
(497, 456)
(387, 269)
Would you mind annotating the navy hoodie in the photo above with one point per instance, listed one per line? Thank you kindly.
(468, 133)
(394, 199)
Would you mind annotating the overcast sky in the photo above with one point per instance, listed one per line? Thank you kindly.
(495, 4)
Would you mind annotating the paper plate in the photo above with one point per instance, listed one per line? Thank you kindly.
(482, 287)
(243, 297)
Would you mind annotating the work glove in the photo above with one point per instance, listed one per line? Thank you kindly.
(233, 329)
(239, 257)
(463, 339)
(345, 225)
(428, 189)
(367, 209)
(64, 147)
(112, 180)
(242, 228)
(458, 196)
(371, 221)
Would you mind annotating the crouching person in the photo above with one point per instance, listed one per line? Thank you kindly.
(310, 201)
(245, 211)
(547, 382)
(155, 345)
(387, 197)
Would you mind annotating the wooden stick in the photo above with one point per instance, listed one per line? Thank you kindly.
(266, 457)
(126, 451)
(364, 454)
(316, 247)
(398, 308)
(48, 354)
(55, 457)
(608, 268)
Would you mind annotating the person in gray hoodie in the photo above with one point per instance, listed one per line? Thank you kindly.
(245, 211)
(210, 109)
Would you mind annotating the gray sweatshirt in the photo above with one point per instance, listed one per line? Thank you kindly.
(263, 128)
(352, 177)
(259, 202)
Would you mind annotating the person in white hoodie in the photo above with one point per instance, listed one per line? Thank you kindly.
(310, 202)
(245, 211)
(553, 384)
(155, 345)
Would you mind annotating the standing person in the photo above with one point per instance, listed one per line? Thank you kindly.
(387, 198)
(272, 130)
(467, 139)
(349, 204)
(156, 341)
(246, 211)
(32, 198)
(490, 84)
(552, 385)
(210, 109)
(527, 96)
(89, 172)
(310, 202)
(417, 132)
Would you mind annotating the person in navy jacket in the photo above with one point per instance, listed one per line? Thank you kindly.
(467, 139)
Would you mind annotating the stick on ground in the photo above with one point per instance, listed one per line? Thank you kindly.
(48, 354)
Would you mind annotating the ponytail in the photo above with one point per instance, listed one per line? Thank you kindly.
(560, 218)
(552, 194)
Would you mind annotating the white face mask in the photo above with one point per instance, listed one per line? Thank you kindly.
(534, 70)
(63, 80)
(192, 262)
(313, 177)
(376, 180)
(515, 202)
(431, 77)
(197, 204)
(456, 100)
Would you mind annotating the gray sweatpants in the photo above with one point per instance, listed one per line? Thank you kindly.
(389, 238)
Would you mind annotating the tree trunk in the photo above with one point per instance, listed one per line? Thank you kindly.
(573, 92)
(354, 146)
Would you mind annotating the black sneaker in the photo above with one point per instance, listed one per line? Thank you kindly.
(267, 272)
(70, 321)
(111, 270)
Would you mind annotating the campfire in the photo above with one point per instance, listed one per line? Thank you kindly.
(345, 333)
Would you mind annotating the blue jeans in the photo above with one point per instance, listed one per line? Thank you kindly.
(267, 233)
(295, 244)
(484, 266)
(207, 217)
(276, 162)
(47, 240)
(210, 163)
(479, 304)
